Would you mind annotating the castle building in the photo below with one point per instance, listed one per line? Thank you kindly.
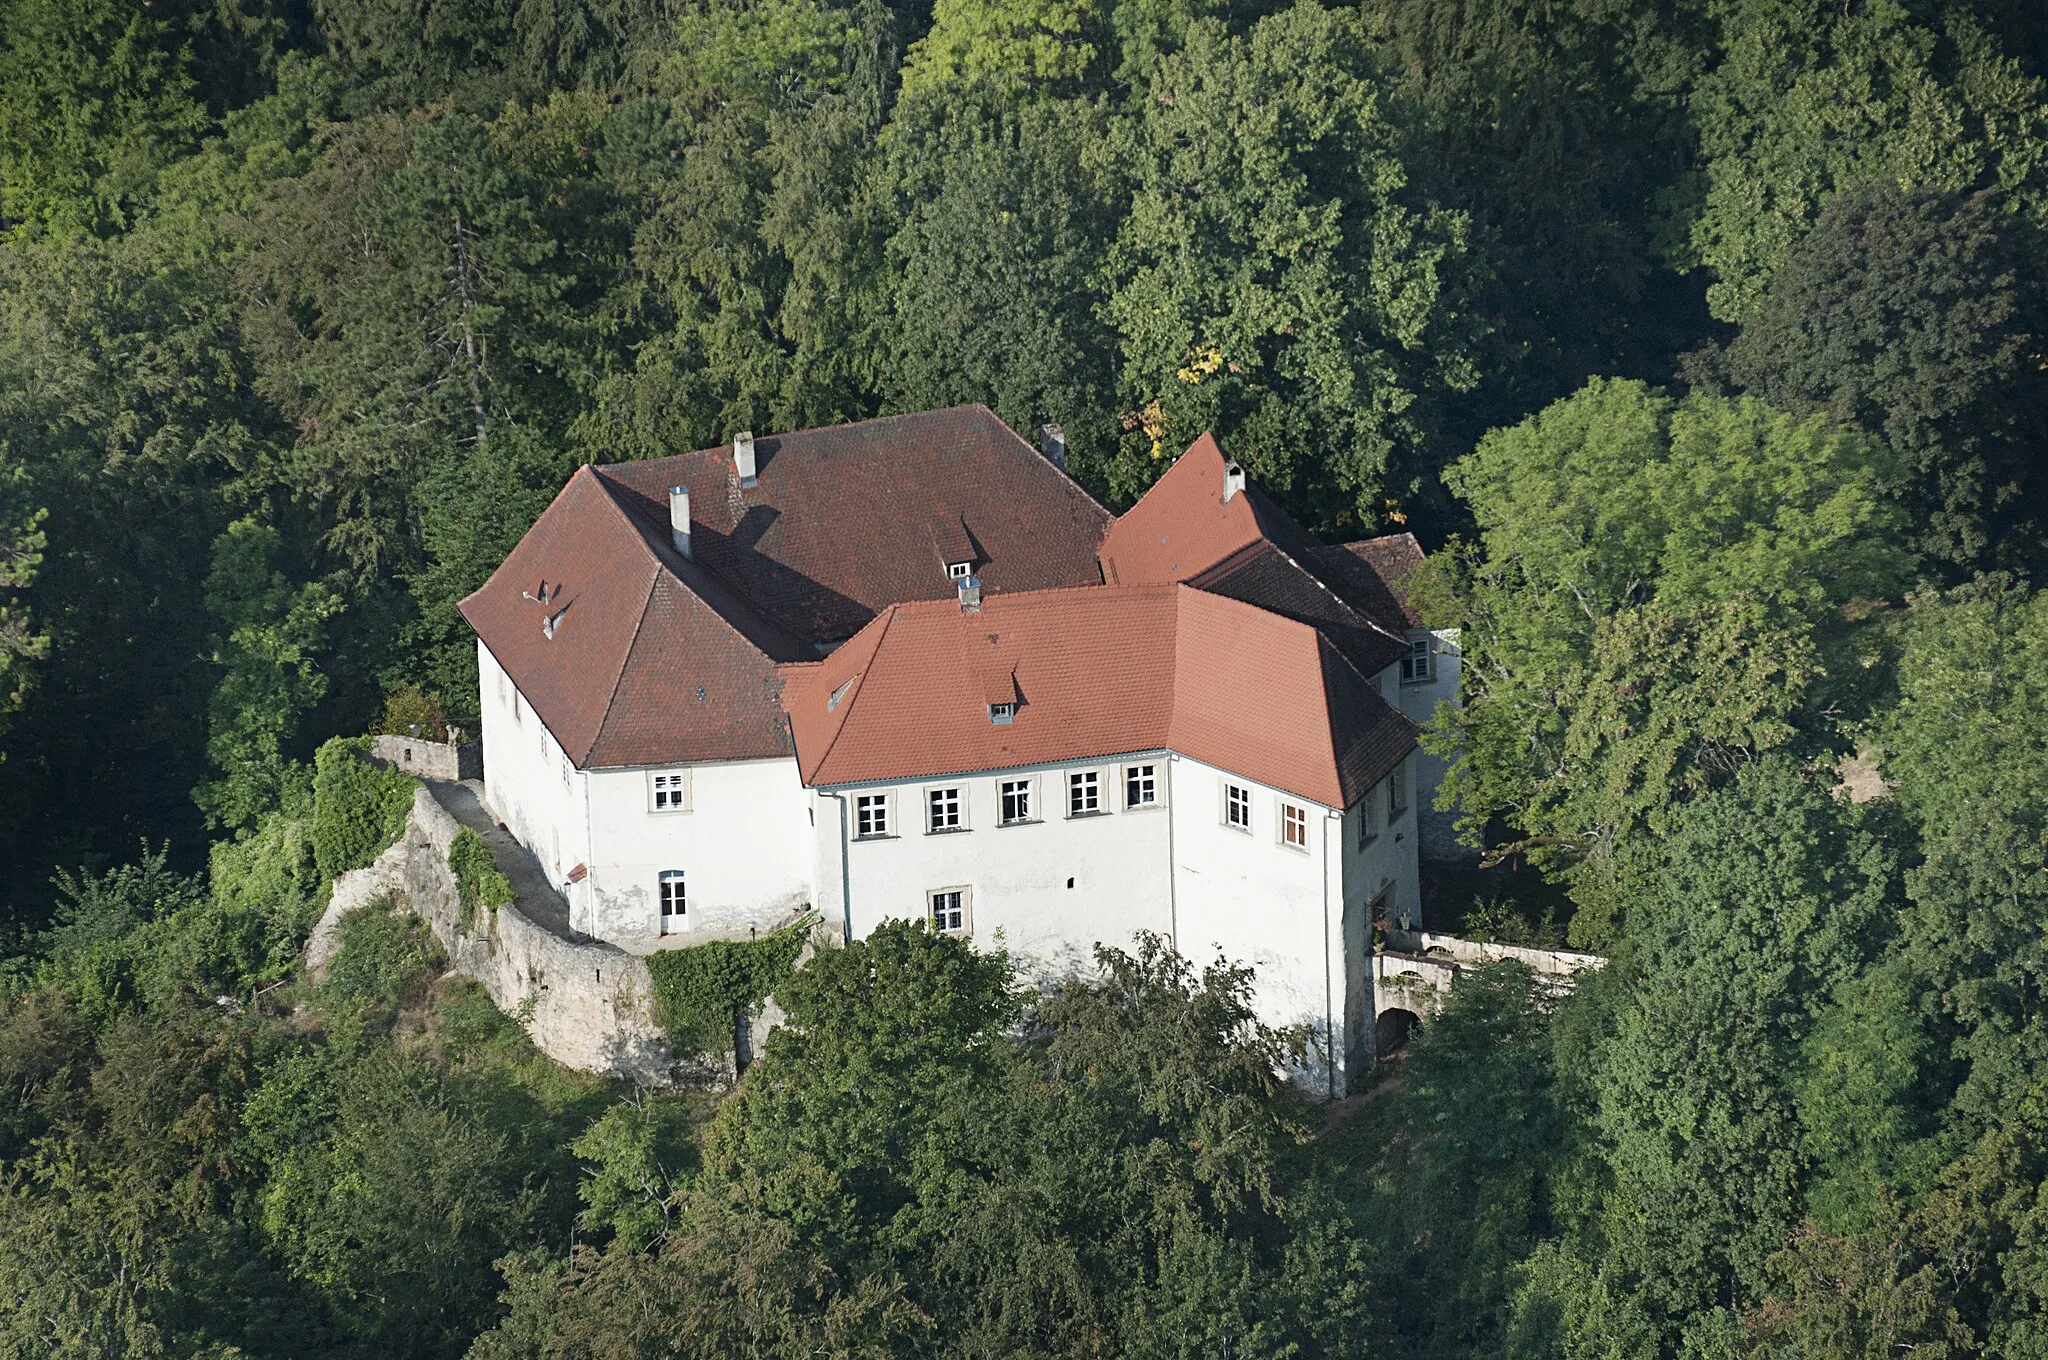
(908, 668)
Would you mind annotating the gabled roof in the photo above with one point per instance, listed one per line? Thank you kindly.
(844, 521)
(1096, 672)
(641, 669)
(1246, 547)
(1373, 573)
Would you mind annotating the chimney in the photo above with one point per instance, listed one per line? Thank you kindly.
(1053, 439)
(679, 518)
(1233, 481)
(743, 457)
(970, 594)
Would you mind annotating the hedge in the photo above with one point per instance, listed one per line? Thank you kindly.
(358, 808)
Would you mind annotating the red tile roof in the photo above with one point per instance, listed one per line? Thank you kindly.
(1250, 549)
(1097, 672)
(846, 521)
(1372, 573)
(641, 669)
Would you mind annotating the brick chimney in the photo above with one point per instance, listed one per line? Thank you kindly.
(1053, 440)
(970, 594)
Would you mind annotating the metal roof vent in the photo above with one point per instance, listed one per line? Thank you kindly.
(743, 458)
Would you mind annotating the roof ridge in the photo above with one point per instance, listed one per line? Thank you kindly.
(1342, 603)
(888, 617)
(611, 697)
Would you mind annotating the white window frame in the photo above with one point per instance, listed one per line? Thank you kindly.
(954, 799)
(1397, 792)
(1236, 797)
(964, 905)
(1000, 715)
(874, 817)
(1027, 790)
(1084, 793)
(1293, 815)
(1149, 780)
(1419, 666)
(671, 888)
(959, 571)
(669, 791)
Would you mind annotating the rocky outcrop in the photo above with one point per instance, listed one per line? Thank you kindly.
(586, 1004)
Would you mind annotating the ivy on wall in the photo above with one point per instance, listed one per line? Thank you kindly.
(358, 808)
(477, 879)
(703, 993)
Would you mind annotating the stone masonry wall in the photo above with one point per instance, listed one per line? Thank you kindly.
(450, 761)
(586, 1004)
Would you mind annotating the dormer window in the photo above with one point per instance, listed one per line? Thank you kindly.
(1002, 713)
(959, 571)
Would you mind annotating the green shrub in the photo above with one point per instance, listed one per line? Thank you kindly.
(358, 808)
(476, 875)
(385, 957)
(702, 992)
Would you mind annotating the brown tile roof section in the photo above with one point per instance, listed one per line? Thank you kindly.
(846, 521)
(1372, 574)
(1099, 672)
(641, 669)
(1250, 549)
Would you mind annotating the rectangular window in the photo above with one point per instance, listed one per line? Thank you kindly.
(1294, 826)
(1016, 799)
(1368, 818)
(871, 815)
(1141, 788)
(949, 911)
(566, 767)
(1002, 713)
(517, 715)
(942, 808)
(669, 792)
(1416, 666)
(1397, 792)
(674, 902)
(959, 571)
(1084, 793)
(1237, 807)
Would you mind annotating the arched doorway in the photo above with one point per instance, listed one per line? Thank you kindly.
(1390, 1030)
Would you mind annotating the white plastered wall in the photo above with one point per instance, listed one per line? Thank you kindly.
(1420, 701)
(743, 843)
(529, 783)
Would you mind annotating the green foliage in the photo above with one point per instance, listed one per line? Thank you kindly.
(477, 879)
(358, 808)
(704, 992)
(1811, 99)
(386, 958)
(1274, 281)
(1657, 605)
(638, 1152)
(1919, 317)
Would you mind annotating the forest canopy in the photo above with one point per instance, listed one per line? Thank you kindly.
(1703, 343)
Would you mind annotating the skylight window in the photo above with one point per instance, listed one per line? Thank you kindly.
(832, 701)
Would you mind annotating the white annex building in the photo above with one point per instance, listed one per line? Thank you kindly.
(908, 668)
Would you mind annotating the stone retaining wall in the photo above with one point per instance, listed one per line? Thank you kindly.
(586, 1004)
(451, 762)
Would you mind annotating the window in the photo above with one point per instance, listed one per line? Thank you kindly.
(942, 810)
(1237, 807)
(949, 911)
(1141, 788)
(1002, 713)
(871, 815)
(1397, 792)
(1417, 666)
(959, 571)
(1294, 826)
(1368, 819)
(1016, 799)
(566, 768)
(673, 902)
(669, 792)
(1084, 793)
(517, 716)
